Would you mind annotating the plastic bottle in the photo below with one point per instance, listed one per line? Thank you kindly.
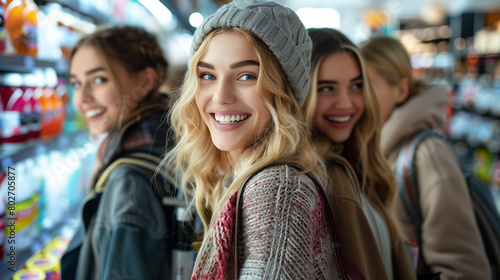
(35, 180)
(3, 217)
(183, 253)
(48, 264)
(15, 118)
(29, 273)
(21, 24)
(49, 35)
(60, 92)
(2, 109)
(36, 108)
(3, 39)
(45, 103)
(53, 103)
(24, 208)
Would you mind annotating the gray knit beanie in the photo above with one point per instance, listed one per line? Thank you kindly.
(278, 26)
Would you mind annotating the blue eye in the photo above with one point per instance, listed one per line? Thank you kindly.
(100, 80)
(247, 77)
(76, 84)
(326, 91)
(207, 77)
(357, 87)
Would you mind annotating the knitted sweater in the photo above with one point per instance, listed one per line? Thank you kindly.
(284, 232)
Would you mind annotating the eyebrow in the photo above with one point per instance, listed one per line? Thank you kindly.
(244, 63)
(232, 66)
(91, 71)
(335, 82)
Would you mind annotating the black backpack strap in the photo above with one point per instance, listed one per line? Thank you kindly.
(406, 180)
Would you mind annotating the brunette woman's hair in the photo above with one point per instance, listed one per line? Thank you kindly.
(132, 47)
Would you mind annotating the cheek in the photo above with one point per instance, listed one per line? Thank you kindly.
(321, 106)
(77, 101)
(360, 101)
(199, 103)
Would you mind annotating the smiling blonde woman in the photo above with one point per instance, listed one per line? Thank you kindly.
(239, 114)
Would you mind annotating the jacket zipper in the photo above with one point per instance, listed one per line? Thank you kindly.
(94, 252)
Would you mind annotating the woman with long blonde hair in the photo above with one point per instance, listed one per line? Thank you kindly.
(410, 106)
(344, 113)
(239, 125)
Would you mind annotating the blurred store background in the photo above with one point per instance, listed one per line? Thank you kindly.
(42, 138)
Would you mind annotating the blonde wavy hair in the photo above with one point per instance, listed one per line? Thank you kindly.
(362, 148)
(287, 139)
(391, 60)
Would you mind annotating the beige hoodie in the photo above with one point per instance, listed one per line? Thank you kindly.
(451, 241)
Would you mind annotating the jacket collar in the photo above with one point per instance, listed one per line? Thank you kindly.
(144, 130)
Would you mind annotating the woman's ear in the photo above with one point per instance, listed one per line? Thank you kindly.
(149, 78)
(403, 90)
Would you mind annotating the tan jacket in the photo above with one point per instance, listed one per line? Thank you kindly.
(354, 234)
(451, 241)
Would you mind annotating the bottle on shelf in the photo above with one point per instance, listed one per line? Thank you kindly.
(3, 216)
(47, 109)
(55, 101)
(15, 117)
(36, 108)
(29, 273)
(24, 212)
(3, 40)
(183, 253)
(21, 25)
(48, 264)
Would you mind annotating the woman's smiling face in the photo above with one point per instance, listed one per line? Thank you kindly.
(96, 95)
(228, 93)
(340, 101)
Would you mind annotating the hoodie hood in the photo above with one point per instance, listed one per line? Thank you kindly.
(425, 110)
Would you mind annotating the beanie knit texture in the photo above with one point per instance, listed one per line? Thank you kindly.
(280, 29)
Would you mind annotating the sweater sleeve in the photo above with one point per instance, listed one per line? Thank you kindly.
(284, 233)
(451, 241)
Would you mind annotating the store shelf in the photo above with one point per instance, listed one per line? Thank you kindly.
(86, 10)
(26, 64)
(11, 154)
(476, 112)
(62, 228)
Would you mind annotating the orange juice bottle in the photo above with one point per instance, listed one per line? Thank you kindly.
(3, 41)
(53, 103)
(60, 106)
(30, 15)
(21, 26)
(46, 104)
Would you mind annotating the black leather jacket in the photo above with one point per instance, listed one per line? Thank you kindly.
(125, 231)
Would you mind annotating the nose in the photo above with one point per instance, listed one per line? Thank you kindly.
(343, 100)
(86, 92)
(224, 92)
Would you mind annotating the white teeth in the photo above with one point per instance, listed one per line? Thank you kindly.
(229, 119)
(339, 119)
(93, 113)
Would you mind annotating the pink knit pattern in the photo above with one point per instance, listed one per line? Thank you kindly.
(223, 231)
(284, 233)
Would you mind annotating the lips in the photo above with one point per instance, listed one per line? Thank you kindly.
(343, 119)
(94, 112)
